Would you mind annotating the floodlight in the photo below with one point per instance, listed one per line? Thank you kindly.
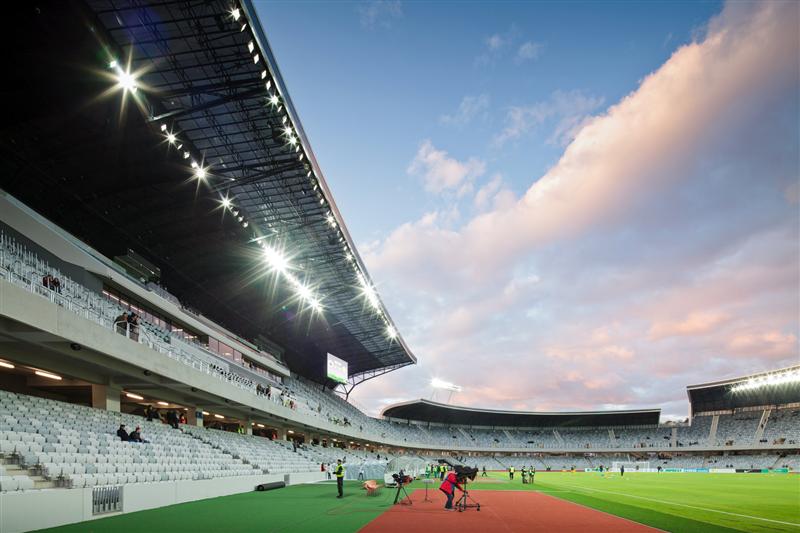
(292, 140)
(200, 173)
(163, 127)
(769, 380)
(304, 292)
(112, 63)
(269, 84)
(6, 365)
(255, 59)
(251, 47)
(194, 164)
(391, 331)
(171, 138)
(437, 383)
(273, 99)
(329, 218)
(264, 75)
(241, 218)
(48, 375)
(186, 155)
(226, 202)
(275, 259)
(287, 131)
(126, 80)
(134, 396)
(245, 224)
(316, 305)
(235, 13)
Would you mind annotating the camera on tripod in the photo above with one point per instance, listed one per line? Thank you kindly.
(402, 479)
(465, 473)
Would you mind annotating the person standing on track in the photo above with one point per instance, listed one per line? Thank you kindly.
(511, 473)
(483, 474)
(340, 478)
(449, 486)
(524, 473)
(621, 470)
(531, 474)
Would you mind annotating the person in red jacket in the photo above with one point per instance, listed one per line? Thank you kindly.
(449, 486)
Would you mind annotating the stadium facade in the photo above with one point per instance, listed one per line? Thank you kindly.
(158, 167)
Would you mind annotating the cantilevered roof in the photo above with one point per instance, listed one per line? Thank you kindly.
(755, 390)
(428, 411)
(205, 73)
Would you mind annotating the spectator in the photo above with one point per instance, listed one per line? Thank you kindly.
(136, 435)
(182, 419)
(172, 419)
(121, 323)
(122, 434)
(151, 413)
(133, 322)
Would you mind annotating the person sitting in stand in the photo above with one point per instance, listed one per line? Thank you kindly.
(122, 434)
(449, 486)
(136, 435)
(121, 322)
(182, 419)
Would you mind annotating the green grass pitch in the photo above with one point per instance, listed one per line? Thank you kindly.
(705, 503)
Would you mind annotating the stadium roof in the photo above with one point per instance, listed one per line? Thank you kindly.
(428, 411)
(778, 387)
(128, 123)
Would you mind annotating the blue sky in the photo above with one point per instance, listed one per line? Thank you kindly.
(564, 205)
(370, 91)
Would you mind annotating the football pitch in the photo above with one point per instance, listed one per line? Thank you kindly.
(680, 502)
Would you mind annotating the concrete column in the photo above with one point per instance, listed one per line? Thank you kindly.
(248, 427)
(106, 397)
(194, 416)
(281, 433)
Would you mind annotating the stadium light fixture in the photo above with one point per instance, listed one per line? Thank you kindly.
(391, 331)
(163, 127)
(437, 383)
(273, 99)
(219, 416)
(165, 404)
(186, 155)
(255, 59)
(200, 173)
(133, 396)
(275, 259)
(235, 13)
(251, 47)
(769, 380)
(6, 365)
(226, 202)
(264, 76)
(112, 64)
(126, 81)
(47, 375)
(171, 138)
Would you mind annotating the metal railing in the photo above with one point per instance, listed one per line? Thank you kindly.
(106, 499)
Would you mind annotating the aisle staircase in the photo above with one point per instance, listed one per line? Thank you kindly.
(762, 425)
(712, 434)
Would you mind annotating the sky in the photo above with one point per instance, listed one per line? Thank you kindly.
(564, 206)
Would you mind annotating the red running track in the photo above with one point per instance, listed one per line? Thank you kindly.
(502, 511)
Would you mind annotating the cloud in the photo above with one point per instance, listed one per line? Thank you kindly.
(441, 172)
(469, 108)
(528, 51)
(379, 13)
(661, 250)
(568, 110)
(497, 41)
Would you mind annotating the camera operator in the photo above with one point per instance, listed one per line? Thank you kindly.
(448, 486)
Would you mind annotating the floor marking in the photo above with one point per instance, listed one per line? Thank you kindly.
(689, 506)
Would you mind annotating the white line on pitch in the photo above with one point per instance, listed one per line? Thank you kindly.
(689, 506)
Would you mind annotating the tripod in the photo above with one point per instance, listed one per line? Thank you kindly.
(462, 503)
(402, 487)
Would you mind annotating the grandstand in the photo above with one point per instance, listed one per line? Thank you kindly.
(202, 210)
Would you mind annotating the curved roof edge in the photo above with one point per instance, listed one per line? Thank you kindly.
(429, 411)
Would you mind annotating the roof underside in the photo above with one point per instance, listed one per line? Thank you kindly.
(720, 396)
(111, 179)
(428, 411)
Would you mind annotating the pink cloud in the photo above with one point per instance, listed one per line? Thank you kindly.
(660, 250)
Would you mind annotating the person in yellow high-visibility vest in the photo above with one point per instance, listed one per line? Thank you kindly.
(339, 471)
(511, 473)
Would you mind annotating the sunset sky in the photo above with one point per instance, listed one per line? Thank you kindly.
(563, 205)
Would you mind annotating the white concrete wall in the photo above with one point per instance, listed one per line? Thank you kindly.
(37, 509)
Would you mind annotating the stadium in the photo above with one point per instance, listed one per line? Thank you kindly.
(173, 266)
